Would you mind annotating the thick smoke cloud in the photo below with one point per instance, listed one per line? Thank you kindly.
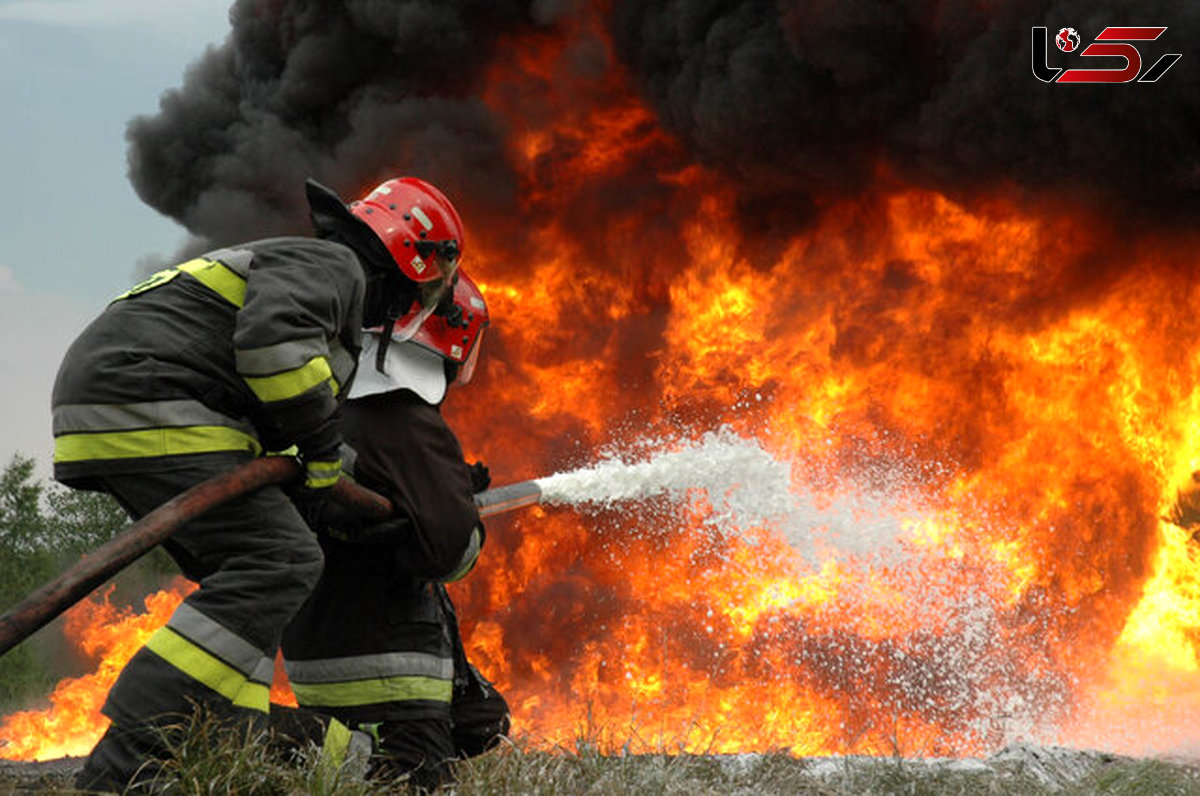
(799, 97)
(793, 100)
(347, 92)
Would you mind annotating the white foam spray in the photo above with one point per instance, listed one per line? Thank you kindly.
(870, 521)
(746, 487)
(744, 483)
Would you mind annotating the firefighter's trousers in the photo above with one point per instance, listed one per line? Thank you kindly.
(256, 561)
(380, 650)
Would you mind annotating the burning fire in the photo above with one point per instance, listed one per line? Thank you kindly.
(108, 634)
(980, 373)
(986, 416)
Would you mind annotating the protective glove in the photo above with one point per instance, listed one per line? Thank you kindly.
(312, 499)
(481, 478)
(394, 532)
(312, 505)
(345, 525)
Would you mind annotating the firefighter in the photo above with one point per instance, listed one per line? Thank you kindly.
(376, 645)
(202, 367)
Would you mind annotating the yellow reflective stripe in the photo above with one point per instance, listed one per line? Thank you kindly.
(334, 746)
(319, 475)
(218, 278)
(151, 282)
(148, 442)
(201, 665)
(254, 696)
(291, 383)
(214, 275)
(371, 692)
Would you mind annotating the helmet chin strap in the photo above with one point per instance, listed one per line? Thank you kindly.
(402, 297)
(389, 323)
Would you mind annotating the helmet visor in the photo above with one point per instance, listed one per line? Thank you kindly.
(467, 369)
(430, 295)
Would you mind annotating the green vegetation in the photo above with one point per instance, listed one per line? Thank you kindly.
(513, 772)
(44, 528)
(209, 758)
(211, 762)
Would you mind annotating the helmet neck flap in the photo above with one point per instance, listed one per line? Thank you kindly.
(444, 349)
(389, 293)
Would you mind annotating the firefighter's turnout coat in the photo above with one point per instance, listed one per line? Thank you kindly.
(377, 640)
(239, 350)
(197, 369)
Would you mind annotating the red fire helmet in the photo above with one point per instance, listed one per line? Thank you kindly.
(456, 334)
(417, 224)
(422, 231)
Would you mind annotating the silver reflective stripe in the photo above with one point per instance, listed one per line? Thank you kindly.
(228, 646)
(367, 667)
(236, 260)
(468, 558)
(341, 362)
(349, 458)
(280, 357)
(71, 418)
(264, 672)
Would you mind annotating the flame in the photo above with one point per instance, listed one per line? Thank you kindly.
(1011, 390)
(986, 406)
(108, 634)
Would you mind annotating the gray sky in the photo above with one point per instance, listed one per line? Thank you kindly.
(72, 74)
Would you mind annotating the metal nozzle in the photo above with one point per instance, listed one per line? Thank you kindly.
(507, 498)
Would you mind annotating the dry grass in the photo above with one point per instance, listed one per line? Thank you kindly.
(208, 762)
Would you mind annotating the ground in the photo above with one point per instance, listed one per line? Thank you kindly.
(1016, 770)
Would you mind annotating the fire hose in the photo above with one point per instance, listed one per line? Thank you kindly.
(43, 605)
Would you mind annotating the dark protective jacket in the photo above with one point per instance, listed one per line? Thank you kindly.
(375, 640)
(242, 349)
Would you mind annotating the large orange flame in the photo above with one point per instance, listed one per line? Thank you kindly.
(986, 407)
(1013, 389)
(108, 634)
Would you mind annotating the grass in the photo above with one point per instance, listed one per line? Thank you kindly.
(207, 761)
(517, 772)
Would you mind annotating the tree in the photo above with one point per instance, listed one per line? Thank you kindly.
(81, 521)
(24, 564)
(21, 522)
(22, 532)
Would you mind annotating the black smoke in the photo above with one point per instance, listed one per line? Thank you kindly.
(348, 92)
(794, 101)
(799, 97)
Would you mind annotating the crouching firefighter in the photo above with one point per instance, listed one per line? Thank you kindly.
(377, 644)
(201, 368)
